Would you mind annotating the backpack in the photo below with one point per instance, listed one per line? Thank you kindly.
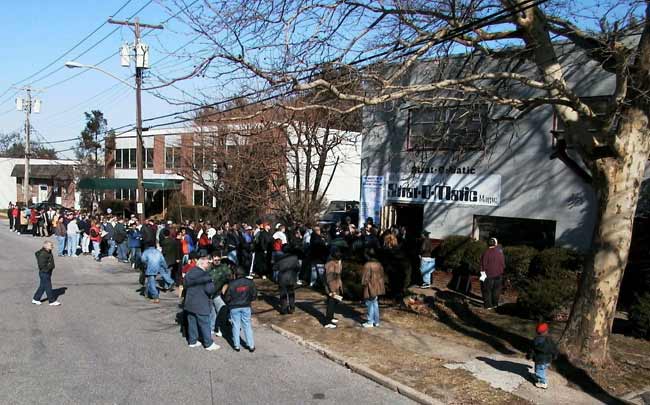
(93, 233)
(277, 245)
(204, 242)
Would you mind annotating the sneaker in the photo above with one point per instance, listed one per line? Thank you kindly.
(263, 277)
(368, 325)
(237, 349)
(55, 304)
(36, 302)
(299, 282)
(334, 320)
(330, 326)
(218, 333)
(249, 277)
(541, 385)
(213, 347)
(425, 286)
(155, 301)
(195, 344)
(251, 349)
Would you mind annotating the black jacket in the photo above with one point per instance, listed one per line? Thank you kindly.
(198, 290)
(543, 350)
(318, 251)
(240, 293)
(45, 260)
(287, 267)
(171, 250)
(263, 242)
(148, 236)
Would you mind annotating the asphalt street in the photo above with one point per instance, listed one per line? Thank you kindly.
(107, 345)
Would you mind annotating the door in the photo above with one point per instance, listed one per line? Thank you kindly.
(411, 216)
(43, 193)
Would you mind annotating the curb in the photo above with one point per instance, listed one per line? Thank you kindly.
(362, 370)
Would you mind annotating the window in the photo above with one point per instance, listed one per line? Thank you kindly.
(460, 127)
(125, 194)
(201, 197)
(172, 157)
(598, 104)
(198, 157)
(125, 159)
(148, 158)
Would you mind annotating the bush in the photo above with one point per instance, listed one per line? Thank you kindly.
(518, 259)
(461, 253)
(639, 316)
(551, 284)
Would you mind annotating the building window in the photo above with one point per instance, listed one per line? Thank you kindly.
(125, 159)
(172, 157)
(148, 158)
(125, 194)
(198, 157)
(459, 127)
(202, 197)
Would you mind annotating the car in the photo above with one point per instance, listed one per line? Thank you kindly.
(45, 205)
(332, 217)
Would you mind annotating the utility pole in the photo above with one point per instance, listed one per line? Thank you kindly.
(141, 63)
(28, 105)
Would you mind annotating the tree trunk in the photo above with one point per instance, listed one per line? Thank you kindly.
(617, 183)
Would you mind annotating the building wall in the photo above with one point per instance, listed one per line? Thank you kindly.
(533, 186)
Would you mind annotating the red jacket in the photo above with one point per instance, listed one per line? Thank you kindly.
(492, 262)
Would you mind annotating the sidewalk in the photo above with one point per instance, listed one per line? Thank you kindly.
(446, 360)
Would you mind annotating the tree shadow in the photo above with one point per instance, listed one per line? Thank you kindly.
(522, 370)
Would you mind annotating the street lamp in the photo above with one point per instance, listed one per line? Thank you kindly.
(138, 126)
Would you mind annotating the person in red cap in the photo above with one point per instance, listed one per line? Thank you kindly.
(542, 352)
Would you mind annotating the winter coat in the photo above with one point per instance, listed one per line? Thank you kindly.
(120, 233)
(333, 283)
(317, 249)
(240, 293)
(426, 248)
(154, 261)
(45, 260)
(135, 238)
(199, 288)
(60, 229)
(110, 231)
(73, 228)
(220, 275)
(493, 262)
(372, 280)
(148, 235)
(262, 242)
(543, 350)
(287, 267)
(171, 249)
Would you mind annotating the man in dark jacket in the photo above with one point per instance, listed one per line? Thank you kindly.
(198, 290)
(318, 252)
(492, 265)
(262, 248)
(543, 351)
(45, 261)
(221, 273)
(240, 294)
(287, 268)
(171, 250)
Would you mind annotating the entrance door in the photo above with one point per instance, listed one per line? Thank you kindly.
(43, 193)
(411, 216)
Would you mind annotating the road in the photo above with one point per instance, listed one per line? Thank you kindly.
(106, 345)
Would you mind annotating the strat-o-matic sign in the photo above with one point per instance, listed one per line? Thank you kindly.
(462, 189)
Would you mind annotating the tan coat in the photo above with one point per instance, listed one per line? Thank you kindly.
(373, 280)
(333, 269)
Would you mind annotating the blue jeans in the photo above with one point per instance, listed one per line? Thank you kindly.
(152, 288)
(45, 286)
(232, 256)
(167, 277)
(111, 248)
(241, 319)
(317, 271)
(373, 310)
(198, 324)
(217, 304)
(427, 267)
(540, 372)
(73, 243)
(135, 255)
(122, 250)
(60, 244)
(96, 250)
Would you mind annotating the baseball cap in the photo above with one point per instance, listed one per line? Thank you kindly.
(542, 328)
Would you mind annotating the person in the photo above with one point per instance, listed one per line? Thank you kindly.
(279, 240)
(262, 249)
(493, 264)
(84, 227)
(96, 240)
(427, 261)
(15, 215)
(33, 220)
(73, 237)
(221, 273)
(372, 281)
(135, 245)
(60, 233)
(120, 238)
(45, 261)
(542, 352)
(317, 255)
(396, 266)
(155, 264)
(239, 295)
(108, 234)
(199, 289)
(171, 250)
(286, 268)
(12, 220)
(333, 287)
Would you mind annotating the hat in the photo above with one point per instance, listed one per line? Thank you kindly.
(542, 328)
(249, 228)
(169, 222)
(278, 225)
(493, 242)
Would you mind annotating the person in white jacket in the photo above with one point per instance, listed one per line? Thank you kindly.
(73, 237)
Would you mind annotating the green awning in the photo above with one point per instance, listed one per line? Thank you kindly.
(114, 184)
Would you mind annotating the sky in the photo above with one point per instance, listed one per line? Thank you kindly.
(37, 32)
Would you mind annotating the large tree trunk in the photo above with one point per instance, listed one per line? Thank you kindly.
(617, 182)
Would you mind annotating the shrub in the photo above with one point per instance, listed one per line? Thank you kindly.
(461, 253)
(551, 284)
(518, 259)
(639, 316)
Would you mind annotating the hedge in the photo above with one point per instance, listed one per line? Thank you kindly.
(461, 253)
